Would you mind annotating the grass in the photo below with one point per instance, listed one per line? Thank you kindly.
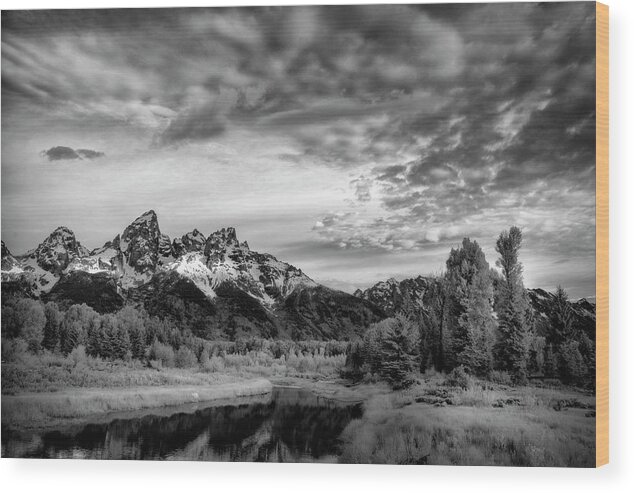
(39, 409)
(58, 374)
(261, 363)
(484, 425)
(434, 422)
(47, 387)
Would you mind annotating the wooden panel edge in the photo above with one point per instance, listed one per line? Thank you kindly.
(602, 234)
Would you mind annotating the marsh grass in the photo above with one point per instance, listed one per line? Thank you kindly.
(485, 425)
(39, 409)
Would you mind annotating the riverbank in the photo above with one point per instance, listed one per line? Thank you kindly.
(38, 409)
(437, 421)
(482, 424)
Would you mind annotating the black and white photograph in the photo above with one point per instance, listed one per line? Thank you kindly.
(353, 234)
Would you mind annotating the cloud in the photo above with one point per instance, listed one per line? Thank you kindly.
(58, 153)
(439, 121)
(89, 153)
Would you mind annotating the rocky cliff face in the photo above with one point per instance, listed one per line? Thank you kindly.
(393, 296)
(193, 241)
(140, 245)
(57, 251)
(9, 263)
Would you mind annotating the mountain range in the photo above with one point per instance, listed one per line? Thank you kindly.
(217, 285)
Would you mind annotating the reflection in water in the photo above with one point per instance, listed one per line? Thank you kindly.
(291, 425)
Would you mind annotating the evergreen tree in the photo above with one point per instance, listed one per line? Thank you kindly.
(108, 336)
(70, 335)
(551, 362)
(478, 323)
(572, 368)
(561, 321)
(131, 320)
(470, 318)
(399, 345)
(432, 327)
(54, 320)
(74, 328)
(512, 308)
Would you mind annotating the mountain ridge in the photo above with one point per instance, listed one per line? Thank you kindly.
(216, 276)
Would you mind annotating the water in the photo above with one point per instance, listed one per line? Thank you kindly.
(289, 425)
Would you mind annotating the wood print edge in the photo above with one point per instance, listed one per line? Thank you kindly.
(602, 234)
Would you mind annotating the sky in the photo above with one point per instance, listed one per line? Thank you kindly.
(355, 142)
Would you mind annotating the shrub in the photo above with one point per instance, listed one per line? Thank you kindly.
(571, 365)
(14, 350)
(214, 364)
(458, 378)
(78, 356)
(162, 353)
(185, 358)
(501, 377)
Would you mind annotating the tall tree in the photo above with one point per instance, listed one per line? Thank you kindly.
(478, 323)
(512, 349)
(561, 322)
(74, 328)
(469, 311)
(399, 348)
(54, 320)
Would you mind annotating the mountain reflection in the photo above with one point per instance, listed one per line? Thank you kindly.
(290, 425)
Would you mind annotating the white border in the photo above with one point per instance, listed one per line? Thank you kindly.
(117, 476)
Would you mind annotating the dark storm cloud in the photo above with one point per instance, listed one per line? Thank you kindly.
(67, 153)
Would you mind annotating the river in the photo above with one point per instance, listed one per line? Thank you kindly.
(288, 425)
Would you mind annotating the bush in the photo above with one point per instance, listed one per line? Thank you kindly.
(214, 364)
(14, 350)
(501, 377)
(458, 378)
(185, 358)
(572, 368)
(163, 353)
(78, 356)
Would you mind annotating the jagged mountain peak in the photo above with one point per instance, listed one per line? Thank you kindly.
(194, 241)
(57, 250)
(62, 230)
(142, 244)
(148, 216)
(392, 295)
(9, 263)
(224, 237)
(221, 241)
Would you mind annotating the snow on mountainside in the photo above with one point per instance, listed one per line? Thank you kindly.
(45, 264)
(215, 284)
(11, 267)
(142, 251)
(193, 241)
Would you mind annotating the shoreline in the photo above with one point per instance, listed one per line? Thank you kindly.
(43, 409)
